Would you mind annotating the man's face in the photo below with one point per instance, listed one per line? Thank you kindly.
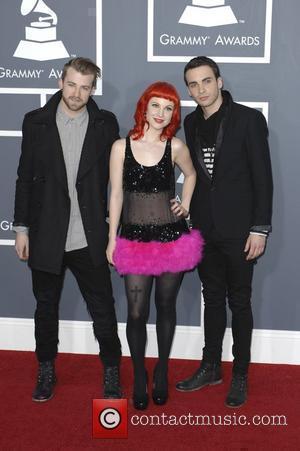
(203, 86)
(76, 90)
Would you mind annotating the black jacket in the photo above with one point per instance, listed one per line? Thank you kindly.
(42, 201)
(239, 194)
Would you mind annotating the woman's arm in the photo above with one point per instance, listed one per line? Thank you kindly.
(181, 157)
(116, 195)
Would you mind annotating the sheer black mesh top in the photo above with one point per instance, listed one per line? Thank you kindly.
(147, 214)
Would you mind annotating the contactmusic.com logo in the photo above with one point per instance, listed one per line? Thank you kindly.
(110, 418)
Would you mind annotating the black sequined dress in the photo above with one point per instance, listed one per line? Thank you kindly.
(153, 239)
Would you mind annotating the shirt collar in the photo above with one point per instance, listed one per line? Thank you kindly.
(79, 119)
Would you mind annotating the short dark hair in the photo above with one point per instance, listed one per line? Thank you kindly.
(83, 65)
(202, 61)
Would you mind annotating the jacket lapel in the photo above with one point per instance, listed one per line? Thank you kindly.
(50, 141)
(92, 146)
(57, 157)
(196, 145)
(221, 133)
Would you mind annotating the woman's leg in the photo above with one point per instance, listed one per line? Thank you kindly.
(138, 291)
(167, 287)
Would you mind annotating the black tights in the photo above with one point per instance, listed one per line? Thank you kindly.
(138, 291)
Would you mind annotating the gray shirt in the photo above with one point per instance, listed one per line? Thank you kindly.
(72, 132)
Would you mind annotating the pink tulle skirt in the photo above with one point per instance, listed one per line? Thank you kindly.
(155, 258)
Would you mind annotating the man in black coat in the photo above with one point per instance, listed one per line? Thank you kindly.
(60, 216)
(232, 206)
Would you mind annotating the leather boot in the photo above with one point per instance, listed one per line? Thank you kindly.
(112, 388)
(207, 374)
(237, 395)
(45, 382)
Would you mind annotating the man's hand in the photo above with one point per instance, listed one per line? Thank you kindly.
(255, 246)
(22, 245)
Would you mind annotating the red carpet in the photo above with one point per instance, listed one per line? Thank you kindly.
(65, 422)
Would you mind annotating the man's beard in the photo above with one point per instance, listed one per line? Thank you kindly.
(73, 103)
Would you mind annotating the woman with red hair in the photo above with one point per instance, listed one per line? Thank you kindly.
(154, 242)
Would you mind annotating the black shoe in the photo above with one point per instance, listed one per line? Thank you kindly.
(112, 388)
(45, 382)
(140, 393)
(160, 386)
(237, 395)
(207, 374)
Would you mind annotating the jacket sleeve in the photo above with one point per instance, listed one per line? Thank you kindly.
(260, 167)
(111, 128)
(115, 129)
(24, 179)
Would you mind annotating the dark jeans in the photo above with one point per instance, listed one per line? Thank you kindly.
(225, 273)
(95, 286)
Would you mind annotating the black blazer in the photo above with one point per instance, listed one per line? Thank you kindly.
(239, 195)
(42, 201)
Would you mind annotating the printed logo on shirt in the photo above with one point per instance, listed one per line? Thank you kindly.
(229, 31)
(209, 158)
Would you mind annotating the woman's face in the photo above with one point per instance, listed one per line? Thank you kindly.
(159, 112)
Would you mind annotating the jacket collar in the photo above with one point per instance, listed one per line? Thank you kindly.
(48, 111)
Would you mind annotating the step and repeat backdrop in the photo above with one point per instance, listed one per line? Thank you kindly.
(137, 42)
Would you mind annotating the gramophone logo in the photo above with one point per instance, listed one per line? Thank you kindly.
(208, 13)
(40, 42)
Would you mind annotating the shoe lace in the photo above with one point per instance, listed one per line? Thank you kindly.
(45, 374)
(111, 375)
(203, 370)
(239, 383)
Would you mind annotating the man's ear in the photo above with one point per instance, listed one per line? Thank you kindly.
(60, 83)
(220, 82)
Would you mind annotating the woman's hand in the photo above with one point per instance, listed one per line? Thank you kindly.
(110, 251)
(178, 209)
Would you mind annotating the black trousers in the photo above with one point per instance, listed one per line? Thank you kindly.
(95, 286)
(225, 273)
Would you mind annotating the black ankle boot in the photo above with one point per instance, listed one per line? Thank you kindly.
(237, 395)
(207, 374)
(45, 382)
(140, 393)
(160, 386)
(112, 388)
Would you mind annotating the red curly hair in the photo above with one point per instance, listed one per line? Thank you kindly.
(158, 89)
